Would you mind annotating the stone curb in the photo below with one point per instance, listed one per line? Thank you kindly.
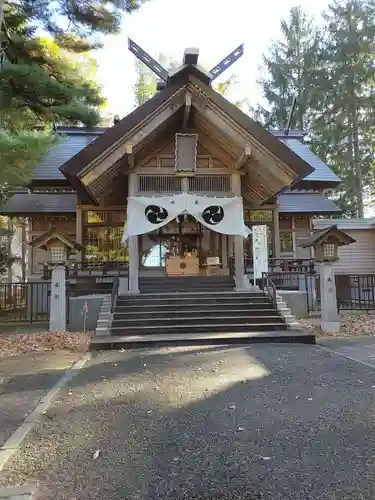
(15, 440)
(19, 492)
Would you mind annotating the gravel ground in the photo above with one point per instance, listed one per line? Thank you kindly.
(266, 422)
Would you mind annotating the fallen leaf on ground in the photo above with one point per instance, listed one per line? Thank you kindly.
(15, 344)
(356, 324)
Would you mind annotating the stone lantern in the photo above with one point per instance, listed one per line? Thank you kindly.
(58, 247)
(326, 243)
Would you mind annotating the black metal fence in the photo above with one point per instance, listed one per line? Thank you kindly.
(24, 302)
(354, 292)
(283, 265)
(89, 268)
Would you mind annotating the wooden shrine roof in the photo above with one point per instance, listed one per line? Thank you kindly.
(242, 128)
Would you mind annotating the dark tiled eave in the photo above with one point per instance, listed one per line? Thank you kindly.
(23, 204)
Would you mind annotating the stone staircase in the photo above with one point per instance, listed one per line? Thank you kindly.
(186, 284)
(195, 310)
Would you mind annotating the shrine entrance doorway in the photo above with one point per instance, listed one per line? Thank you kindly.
(182, 238)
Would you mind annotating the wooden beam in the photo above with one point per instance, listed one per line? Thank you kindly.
(135, 139)
(243, 158)
(241, 137)
(215, 150)
(130, 155)
(188, 100)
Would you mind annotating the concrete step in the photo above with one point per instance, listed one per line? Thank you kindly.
(185, 279)
(177, 290)
(198, 328)
(147, 307)
(193, 301)
(144, 312)
(182, 288)
(205, 338)
(183, 299)
(184, 320)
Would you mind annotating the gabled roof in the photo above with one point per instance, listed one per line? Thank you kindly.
(288, 166)
(42, 241)
(320, 235)
(83, 157)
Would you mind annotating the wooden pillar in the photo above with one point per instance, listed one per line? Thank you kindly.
(242, 283)
(224, 250)
(29, 250)
(276, 232)
(294, 238)
(311, 226)
(9, 249)
(133, 245)
(79, 232)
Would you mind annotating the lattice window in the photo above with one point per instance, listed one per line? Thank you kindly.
(104, 243)
(105, 217)
(258, 215)
(159, 184)
(209, 184)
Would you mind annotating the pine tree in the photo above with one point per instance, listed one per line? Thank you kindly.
(333, 77)
(49, 77)
(345, 127)
(292, 66)
(47, 74)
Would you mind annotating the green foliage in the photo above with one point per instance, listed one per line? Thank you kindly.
(145, 85)
(224, 88)
(18, 155)
(292, 69)
(345, 130)
(49, 79)
(333, 75)
(6, 260)
(51, 84)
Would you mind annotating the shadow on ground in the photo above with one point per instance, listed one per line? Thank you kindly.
(260, 422)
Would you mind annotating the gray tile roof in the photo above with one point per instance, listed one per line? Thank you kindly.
(70, 145)
(75, 140)
(322, 171)
(313, 203)
(40, 203)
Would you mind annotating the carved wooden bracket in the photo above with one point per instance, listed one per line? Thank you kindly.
(188, 101)
(130, 155)
(244, 157)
